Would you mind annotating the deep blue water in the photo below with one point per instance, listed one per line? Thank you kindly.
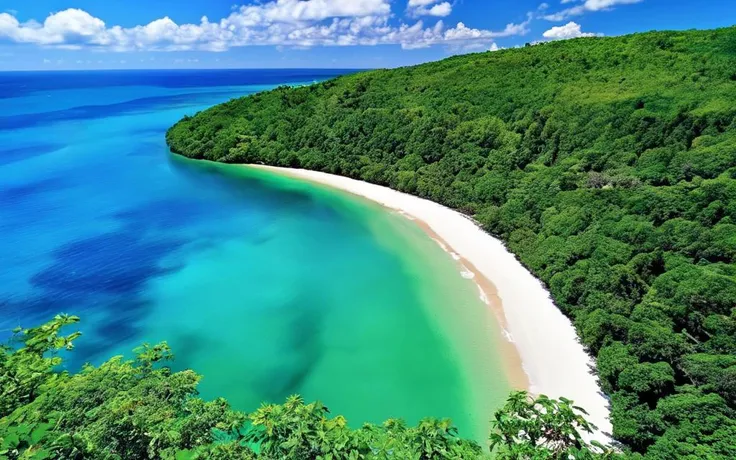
(71, 146)
(18, 84)
(91, 202)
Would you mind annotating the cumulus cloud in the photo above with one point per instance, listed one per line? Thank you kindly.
(296, 23)
(585, 6)
(67, 27)
(569, 30)
(429, 8)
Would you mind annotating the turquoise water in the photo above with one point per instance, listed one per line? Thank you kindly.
(265, 285)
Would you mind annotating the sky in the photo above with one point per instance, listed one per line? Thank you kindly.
(163, 34)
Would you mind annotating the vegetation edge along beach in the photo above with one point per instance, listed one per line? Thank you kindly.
(608, 167)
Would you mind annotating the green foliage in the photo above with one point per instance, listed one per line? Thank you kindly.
(543, 428)
(608, 165)
(121, 409)
(141, 409)
(23, 372)
(298, 430)
(24, 441)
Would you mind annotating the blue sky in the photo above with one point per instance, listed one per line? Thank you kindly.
(119, 34)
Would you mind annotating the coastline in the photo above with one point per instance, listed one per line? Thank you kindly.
(488, 292)
(540, 339)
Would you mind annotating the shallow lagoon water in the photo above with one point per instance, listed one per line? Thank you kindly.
(265, 285)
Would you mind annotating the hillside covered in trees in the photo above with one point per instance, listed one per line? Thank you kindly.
(607, 165)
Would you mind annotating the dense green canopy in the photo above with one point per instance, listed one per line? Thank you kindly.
(608, 166)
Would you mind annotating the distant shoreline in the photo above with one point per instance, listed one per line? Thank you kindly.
(540, 339)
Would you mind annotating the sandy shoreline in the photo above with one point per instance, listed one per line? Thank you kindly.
(545, 341)
(488, 293)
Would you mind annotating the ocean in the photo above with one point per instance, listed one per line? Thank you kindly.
(265, 285)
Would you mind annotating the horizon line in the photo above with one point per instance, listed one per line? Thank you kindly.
(187, 69)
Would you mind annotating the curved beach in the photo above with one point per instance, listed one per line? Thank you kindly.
(555, 362)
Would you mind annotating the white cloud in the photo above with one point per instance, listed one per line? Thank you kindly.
(569, 30)
(439, 8)
(512, 29)
(460, 36)
(585, 6)
(596, 5)
(291, 23)
(442, 9)
(66, 27)
(312, 10)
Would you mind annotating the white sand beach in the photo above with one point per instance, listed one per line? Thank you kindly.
(552, 357)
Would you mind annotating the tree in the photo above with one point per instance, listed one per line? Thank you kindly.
(543, 428)
(30, 361)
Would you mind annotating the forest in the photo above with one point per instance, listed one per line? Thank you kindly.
(607, 165)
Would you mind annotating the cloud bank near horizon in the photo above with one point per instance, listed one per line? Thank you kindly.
(298, 24)
(295, 23)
